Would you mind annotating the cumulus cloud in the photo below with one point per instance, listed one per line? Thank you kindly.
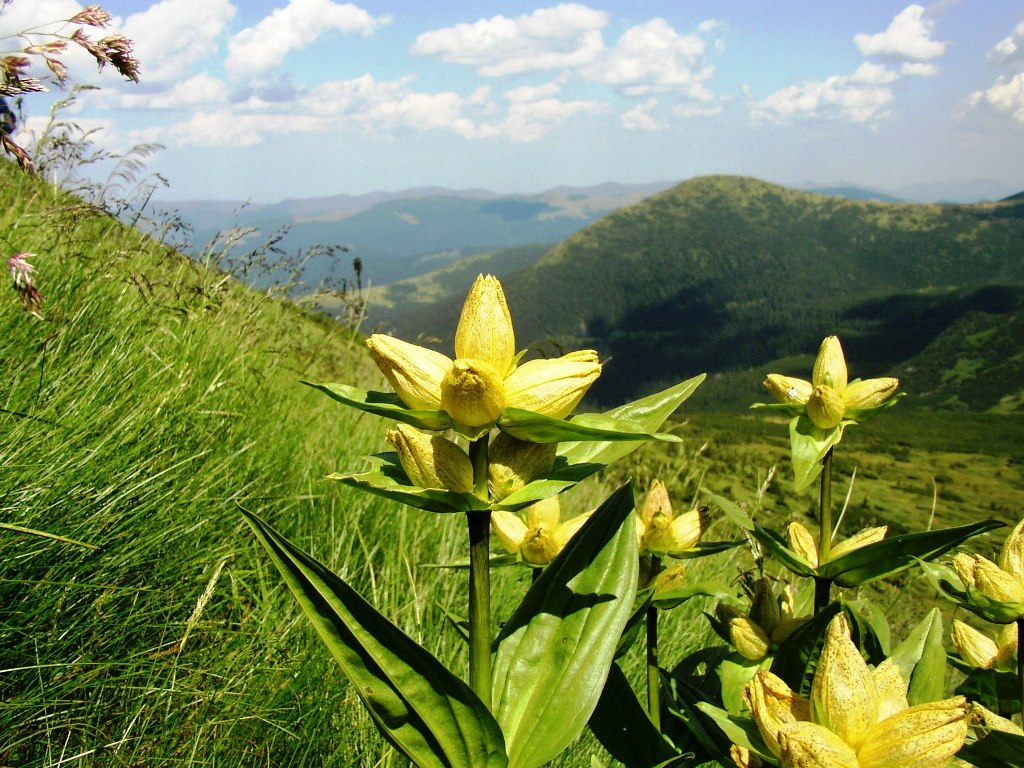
(1006, 95)
(565, 36)
(1010, 50)
(641, 117)
(172, 36)
(909, 36)
(850, 97)
(532, 120)
(260, 49)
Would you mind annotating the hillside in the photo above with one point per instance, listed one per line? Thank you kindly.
(726, 273)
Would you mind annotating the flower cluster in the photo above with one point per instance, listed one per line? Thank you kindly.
(802, 542)
(855, 717)
(771, 620)
(996, 588)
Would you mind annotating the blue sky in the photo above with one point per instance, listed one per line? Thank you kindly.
(270, 99)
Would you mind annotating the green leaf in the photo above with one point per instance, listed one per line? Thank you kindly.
(424, 710)
(538, 428)
(735, 672)
(777, 546)
(624, 728)
(741, 731)
(808, 446)
(429, 499)
(921, 659)
(892, 555)
(384, 404)
(997, 750)
(555, 650)
(671, 598)
(647, 413)
(974, 600)
(869, 628)
(797, 656)
(996, 690)
(732, 511)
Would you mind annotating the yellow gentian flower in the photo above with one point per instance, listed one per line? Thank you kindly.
(659, 531)
(1001, 581)
(431, 461)
(980, 650)
(483, 379)
(770, 621)
(541, 536)
(828, 398)
(802, 542)
(855, 717)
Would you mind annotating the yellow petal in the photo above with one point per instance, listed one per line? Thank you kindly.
(742, 757)
(513, 463)
(431, 461)
(1011, 556)
(786, 389)
(414, 372)
(748, 638)
(802, 542)
(825, 407)
(569, 528)
(858, 540)
(553, 387)
(669, 579)
(844, 698)
(687, 529)
(830, 366)
(773, 704)
(963, 564)
(546, 513)
(657, 502)
(808, 745)
(975, 648)
(485, 327)
(472, 393)
(892, 689)
(1007, 639)
(993, 722)
(543, 538)
(997, 583)
(925, 736)
(510, 528)
(870, 392)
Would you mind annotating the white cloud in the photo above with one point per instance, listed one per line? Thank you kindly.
(1010, 50)
(172, 36)
(641, 117)
(873, 74)
(654, 57)
(532, 120)
(23, 15)
(534, 92)
(918, 69)
(1006, 95)
(567, 35)
(909, 36)
(840, 96)
(261, 48)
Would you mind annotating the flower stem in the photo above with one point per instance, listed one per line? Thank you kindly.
(1020, 667)
(823, 587)
(653, 673)
(479, 523)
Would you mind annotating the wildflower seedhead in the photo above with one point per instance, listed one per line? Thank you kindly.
(21, 273)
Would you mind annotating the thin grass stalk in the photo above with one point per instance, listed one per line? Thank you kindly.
(1020, 668)
(479, 524)
(822, 586)
(653, 673)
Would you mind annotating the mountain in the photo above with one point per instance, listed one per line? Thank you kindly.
(403, 234)
(725, 274)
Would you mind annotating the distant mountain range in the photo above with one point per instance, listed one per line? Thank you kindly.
(731, 274)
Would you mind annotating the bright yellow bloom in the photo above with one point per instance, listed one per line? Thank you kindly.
(660, 531)
(483, 379)
(769, 622)
(980, 573)
(512, 463)
(827, 397)
(980, 650)
(431, 461)
(802, 542)
(539, 538)
(856, 717)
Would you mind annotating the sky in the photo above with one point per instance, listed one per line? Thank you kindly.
(264, 100)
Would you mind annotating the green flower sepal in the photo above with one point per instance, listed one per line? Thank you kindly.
(970, 597)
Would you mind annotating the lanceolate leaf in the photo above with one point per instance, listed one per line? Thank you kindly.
(997, 750)
(431, 499)
(890, 556)
(777, 546)
(921, 659)
(384, 404)
(797, 656)
(647, 413)
(555, 651)
(808, 446)
(538, 428)
(428, 713)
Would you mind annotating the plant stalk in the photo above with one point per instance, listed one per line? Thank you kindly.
(653, 673)
(479, 523)
(823, 587)
(1020, 667)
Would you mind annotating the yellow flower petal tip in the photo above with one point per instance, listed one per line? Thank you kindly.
(414, 372)
(485, 326)
(553, 387)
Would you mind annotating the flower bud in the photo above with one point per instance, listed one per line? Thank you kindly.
(858, 540)
(485, 327)
(748, 638)
(993, 722)
(843, 693)
(414, 372)
(870, 392)
(431, 461)
(513, 463)
(802, 542)
(764, 608)
(830, 366)
(669, 580)
(925, 735)
(472, 393)
(553, 387)
(996, 583)
(786, 389)
(963, 564)
(542, 541)
(1011, 556)
(824, 407)
(975, 649)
